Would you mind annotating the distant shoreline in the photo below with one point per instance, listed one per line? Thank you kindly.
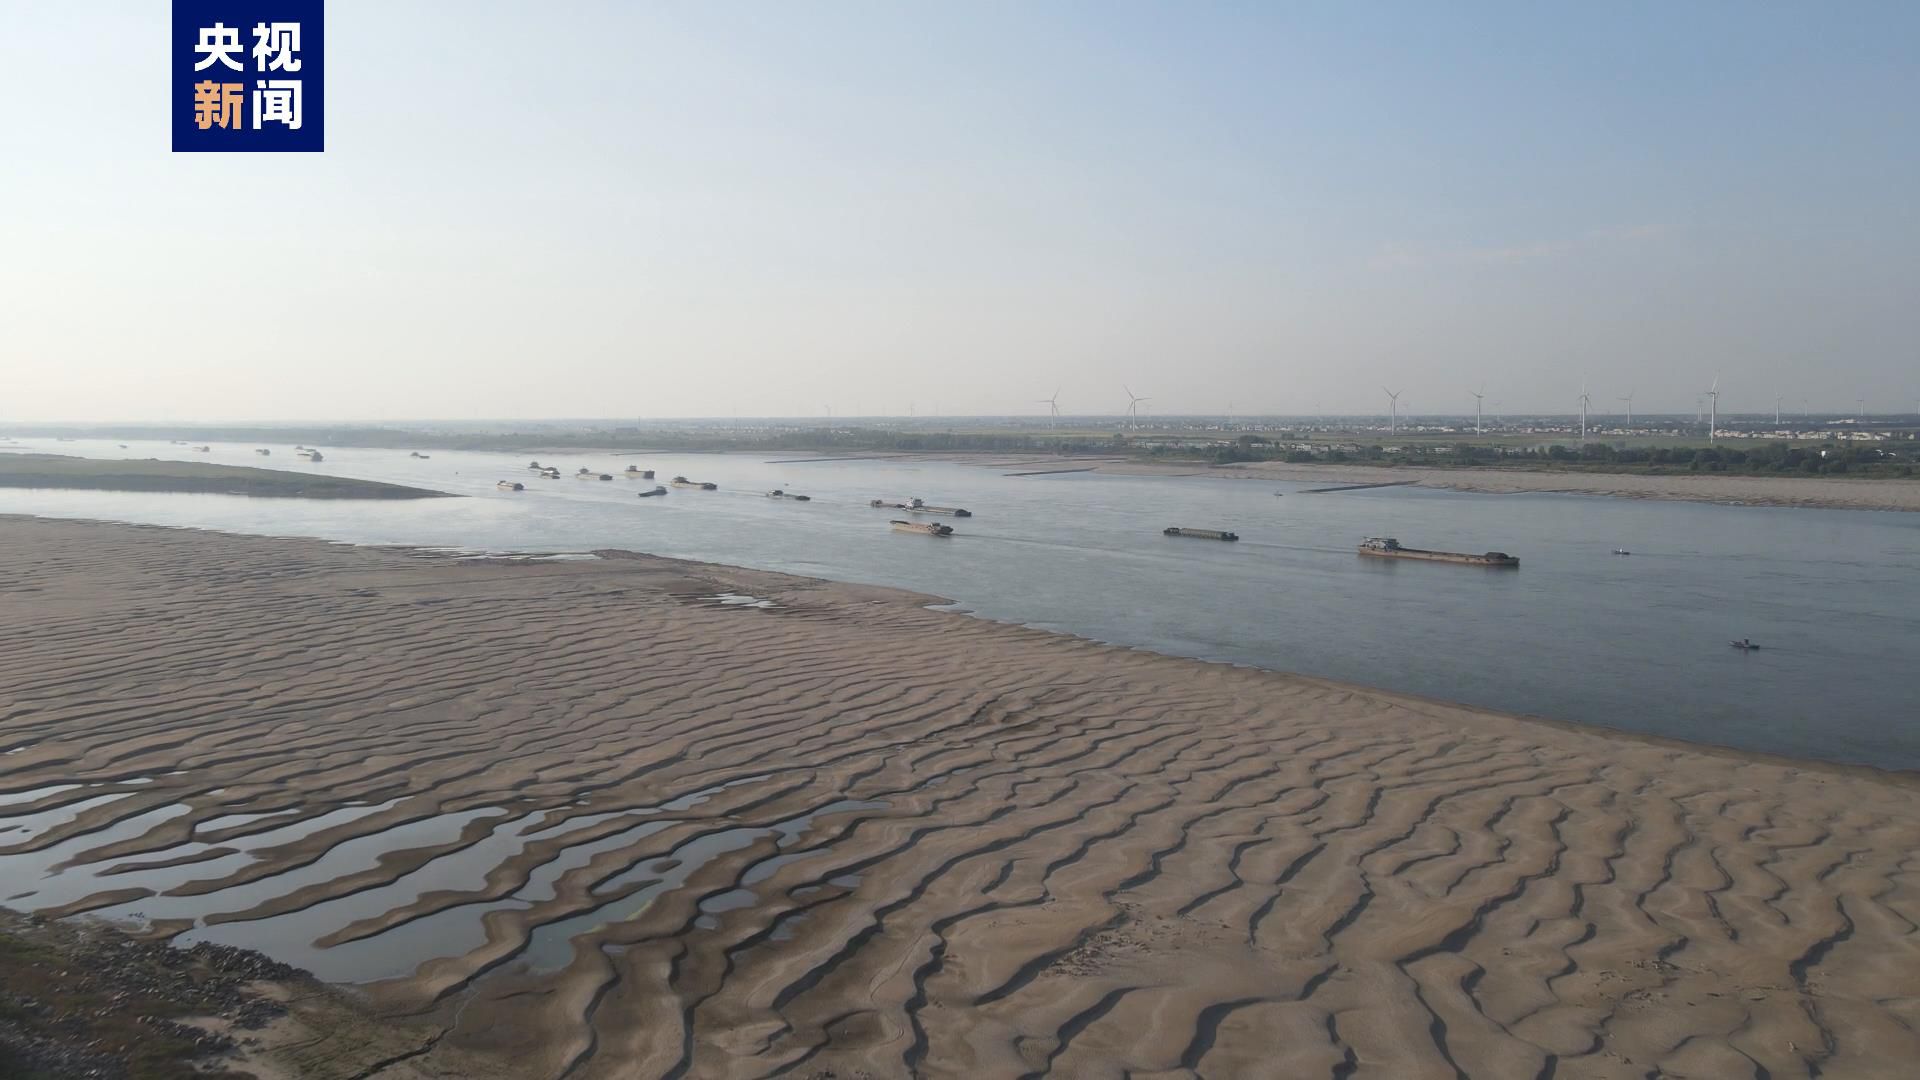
(1726, 489)
(53, 471)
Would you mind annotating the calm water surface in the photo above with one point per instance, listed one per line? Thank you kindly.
(1637, 642)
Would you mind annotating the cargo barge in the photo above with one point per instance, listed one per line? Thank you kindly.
(1203, 534)
(683, 482)
(915, 506)
(777, 493)
(635, 472)
(924, 528)
(1386, 547)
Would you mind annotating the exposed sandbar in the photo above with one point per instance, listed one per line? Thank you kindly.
(625, 829)
(59, 471)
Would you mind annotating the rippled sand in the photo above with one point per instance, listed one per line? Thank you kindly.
(643, 818)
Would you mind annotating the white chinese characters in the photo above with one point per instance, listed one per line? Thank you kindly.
(219, 42)
(277, 101)
(274, 46)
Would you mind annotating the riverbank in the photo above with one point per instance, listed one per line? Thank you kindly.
(1828, 492)
(97, 474)
(643, 817)
(1823, 492)
(82, 1000)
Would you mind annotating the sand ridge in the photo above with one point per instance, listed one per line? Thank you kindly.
(660, 835)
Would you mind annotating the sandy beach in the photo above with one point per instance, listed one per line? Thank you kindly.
(637, 817)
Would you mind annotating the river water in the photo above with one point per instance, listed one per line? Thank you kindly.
(1634, 642)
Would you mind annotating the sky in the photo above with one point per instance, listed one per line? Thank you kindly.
(735, 208)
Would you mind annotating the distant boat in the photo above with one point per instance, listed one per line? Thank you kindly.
(657, 490)
(204, 449)
(588, 474)
(536, 466)
(511, 485)
(915, 506)
(635, 472)
(683, 482)
(1203, 534)
(420, 455)
(776, 493)
(1621, 551)
(1744, 645)
(263, 453)
(924, 528)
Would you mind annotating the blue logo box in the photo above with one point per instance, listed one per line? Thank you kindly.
(248, 76)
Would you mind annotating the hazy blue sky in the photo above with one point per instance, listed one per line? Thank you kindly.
(592, 209)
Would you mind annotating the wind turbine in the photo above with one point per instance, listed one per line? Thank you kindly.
(1629, 400)
(1053, 408)
(1713, 418)
(1584, 402)
(1393, 409)
(1134, 403)
(1479, 409)
(1776, 410)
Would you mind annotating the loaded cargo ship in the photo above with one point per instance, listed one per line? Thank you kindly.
(915, 506)
(701, 485)
(1204, 534)
(1386, 547)
(924, 528)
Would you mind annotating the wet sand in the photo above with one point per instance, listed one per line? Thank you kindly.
(1826, 492)
(648, 818)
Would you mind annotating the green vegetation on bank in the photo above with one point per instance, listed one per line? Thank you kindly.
(82, 999)
(57, 471)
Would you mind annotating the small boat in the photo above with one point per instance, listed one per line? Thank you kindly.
(1744, 645)
(123, 446)
(658, 489)
(511, 485)
(264, 453)
(305, 452)
(534, 466)
(315, 455)
(1621, 551)
(1203, 534)
(549, 474)
(635, 472)
(203, 449)
(683, 482)
(915, 506)
(776, 493)
(925, 528)
(420, 455)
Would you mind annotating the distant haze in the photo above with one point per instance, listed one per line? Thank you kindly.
(590, 209)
